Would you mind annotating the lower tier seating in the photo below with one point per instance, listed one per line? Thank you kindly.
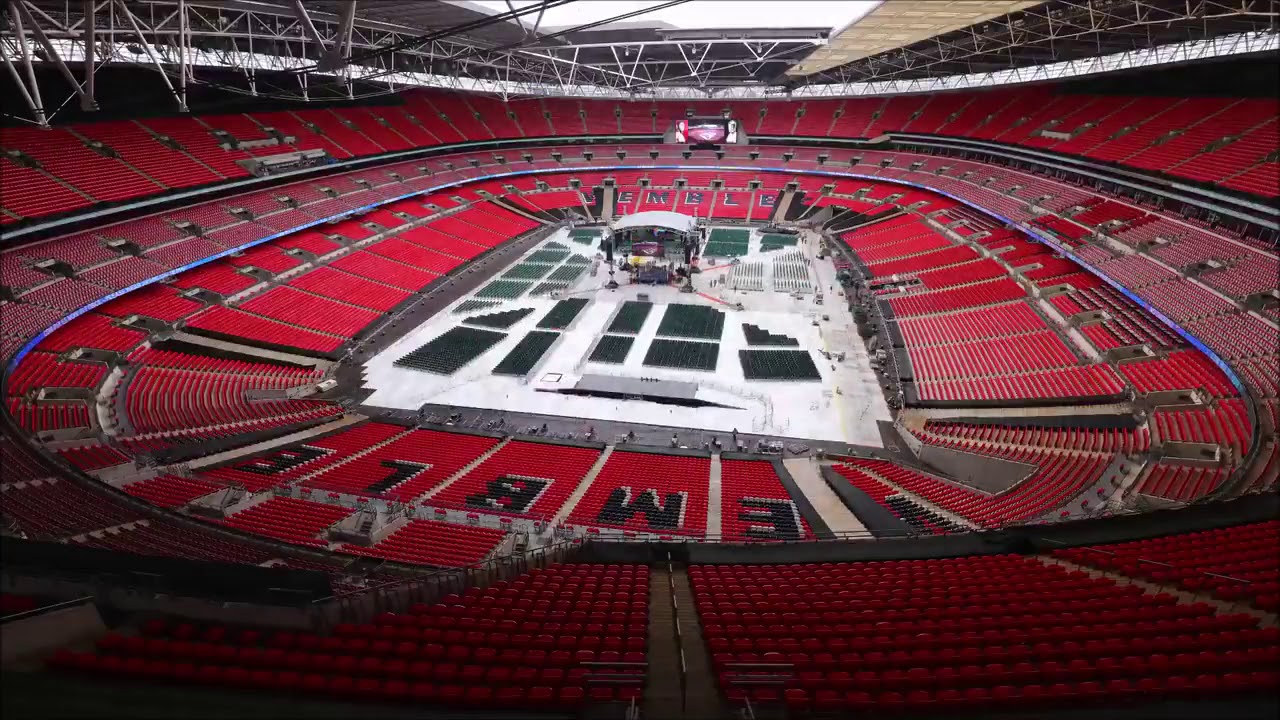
(406, 467)
(522, 479)
(917, 517)
(165, 538)
(430, 542)
(1057, 479)
(298, 522)
(638, 491)
(170, 490)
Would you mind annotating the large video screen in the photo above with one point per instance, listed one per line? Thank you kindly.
(706, 132)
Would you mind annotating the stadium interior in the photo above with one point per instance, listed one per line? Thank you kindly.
(689, 359)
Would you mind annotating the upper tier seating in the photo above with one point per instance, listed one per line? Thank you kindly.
(1166, 135)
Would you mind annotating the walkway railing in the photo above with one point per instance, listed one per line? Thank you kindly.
(400, 594)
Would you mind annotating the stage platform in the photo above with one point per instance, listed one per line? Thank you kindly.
(843, 405)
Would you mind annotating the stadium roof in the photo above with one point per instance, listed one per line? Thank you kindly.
(896, 24)
(317, 49)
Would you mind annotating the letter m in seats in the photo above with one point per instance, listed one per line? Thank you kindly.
(623, 505)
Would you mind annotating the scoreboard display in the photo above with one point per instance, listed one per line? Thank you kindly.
(706, 132)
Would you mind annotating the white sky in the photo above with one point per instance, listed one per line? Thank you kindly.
(699, 14)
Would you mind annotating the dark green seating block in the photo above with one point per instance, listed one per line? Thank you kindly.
(682, 354)
(504, 319)
(547, 257)
(474, 305)
(778, 365)
(723, 249)
(729, 235)
(692, 321)
(630, 317)
(526, 353)
(612, 349)
(449, 352)
(547, 288)
(567, 273)
(559, 317)
(578, 260)
(759, 336)
(773, 241)
(504, 289)
(586, 236)
(526, 271)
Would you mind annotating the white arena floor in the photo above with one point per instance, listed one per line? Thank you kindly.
(843, 407)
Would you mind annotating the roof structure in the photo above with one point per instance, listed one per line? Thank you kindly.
(340, 49)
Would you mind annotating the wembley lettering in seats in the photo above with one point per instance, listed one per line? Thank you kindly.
(622, 506)
(401, 470)
(509, 494)
(284, 460)
(770, 519)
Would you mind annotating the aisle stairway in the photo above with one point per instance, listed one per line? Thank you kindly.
(681, 683)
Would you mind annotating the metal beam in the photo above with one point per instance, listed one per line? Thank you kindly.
(811, 40)
(90, 39)
(346, 27)
(35, 102)
(146, 46)
(52, 54)
(183, 44)
(37, 112)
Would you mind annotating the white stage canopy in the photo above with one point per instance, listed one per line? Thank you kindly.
(657, 218)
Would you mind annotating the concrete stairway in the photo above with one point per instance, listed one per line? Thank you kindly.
(463, 471)
(780, 212)
(715, 491)
(681, 682)
(581, 490)
(607, 212)
(663, 692)
(830, 508)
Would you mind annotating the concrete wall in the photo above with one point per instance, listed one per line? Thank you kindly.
(988, 474)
